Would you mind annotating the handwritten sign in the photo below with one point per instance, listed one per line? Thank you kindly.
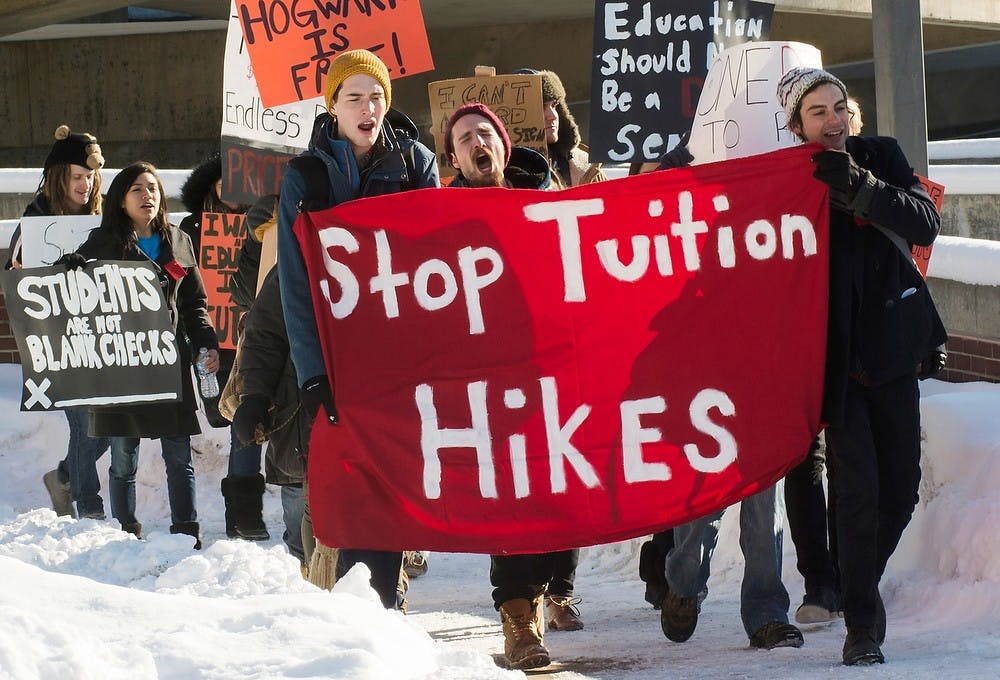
(922, 254)
(293, 42)
(579, 366)
(257, 140)
(221, 238)
(738, 111)
(93, 336)
(45, 239)
(515, 99)
(650, 61)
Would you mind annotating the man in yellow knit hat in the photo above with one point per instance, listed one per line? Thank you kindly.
(359, 147)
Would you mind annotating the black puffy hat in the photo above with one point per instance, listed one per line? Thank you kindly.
(75, 148)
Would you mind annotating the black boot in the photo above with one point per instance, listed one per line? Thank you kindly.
(244, 498)
(189, 528)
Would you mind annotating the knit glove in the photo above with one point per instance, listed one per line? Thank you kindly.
(852, 188)
(933, 363)
(679, 156)
(316, 392)
(252, 419)
(72, 261)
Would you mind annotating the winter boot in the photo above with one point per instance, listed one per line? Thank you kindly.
(818, 606)
(776, 634)
(522, 634)
(561, 612)
(861, 649)
(62, 500)
(189, 528)
(244, 498)
(134, 528)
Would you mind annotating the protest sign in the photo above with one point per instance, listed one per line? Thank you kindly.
(650, 61)
(293, 42)
(738, 112)
(922, 254)
(257, 140)
(94, 336)
(528, 371)
(221, 238)
(45, 239)
(515, 99)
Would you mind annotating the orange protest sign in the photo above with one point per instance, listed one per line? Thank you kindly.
(922, 254)
(221, 237)
(291, 43)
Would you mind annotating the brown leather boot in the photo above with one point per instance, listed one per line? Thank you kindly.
(522, 634)
(561, 612)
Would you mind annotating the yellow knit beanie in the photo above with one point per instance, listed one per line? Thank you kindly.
(353, 62)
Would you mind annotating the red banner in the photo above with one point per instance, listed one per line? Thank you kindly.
(526, 371)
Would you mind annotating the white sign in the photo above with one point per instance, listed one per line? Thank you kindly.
(243, 114)
(45, 239)
(738, 112)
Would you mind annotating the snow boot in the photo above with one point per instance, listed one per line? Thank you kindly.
(189, 528)
(59, 493)
(679, 616)
(522, 634)
(861, 649)
(244, 498)
(134, 528)
(776, 634)
(561, 612)
(818, 606)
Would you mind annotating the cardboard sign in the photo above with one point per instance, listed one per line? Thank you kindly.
(738, 112)
(515, 99)
(650, 61)
(45, 239)
(922, 254)
(529, 371)
(94, 336)
(257, 140)
(221, 238)
(293, 42)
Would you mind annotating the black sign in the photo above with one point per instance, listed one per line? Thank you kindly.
(650, 62)
(93, 336)
(249, 172)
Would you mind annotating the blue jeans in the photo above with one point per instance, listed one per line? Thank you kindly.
(763, 597)
(79, 467)
(244, 459)
(180, 478)
(293, 501)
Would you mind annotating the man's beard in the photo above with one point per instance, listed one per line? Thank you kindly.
(496, 179)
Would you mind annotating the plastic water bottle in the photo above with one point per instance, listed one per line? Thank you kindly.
(208, 385)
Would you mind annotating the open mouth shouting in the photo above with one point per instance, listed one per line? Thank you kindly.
(483, 161)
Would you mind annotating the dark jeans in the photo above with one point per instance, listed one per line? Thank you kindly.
(176, 453)
(875, 464)
(79, 467)
(524, 576)
(384, 566)
(809, 523)
(244, 459)
(564, 572)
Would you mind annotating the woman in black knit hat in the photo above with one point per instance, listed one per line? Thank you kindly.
(70, 185)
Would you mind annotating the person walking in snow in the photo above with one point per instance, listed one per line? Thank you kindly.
(71, 185)
(883, 334)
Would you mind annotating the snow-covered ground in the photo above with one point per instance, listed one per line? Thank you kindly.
(81, 599)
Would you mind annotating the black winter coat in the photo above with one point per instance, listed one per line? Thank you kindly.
(879, 329)
(185, 302)
(266, 369)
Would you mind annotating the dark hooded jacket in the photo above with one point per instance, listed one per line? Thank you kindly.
(187, 306)
(398, 163)
(879, 329)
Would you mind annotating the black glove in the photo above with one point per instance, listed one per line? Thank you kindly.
(934, 362)
(679, 156)
(72, 261)
(252, 414)
(316, 392)
(851, 186)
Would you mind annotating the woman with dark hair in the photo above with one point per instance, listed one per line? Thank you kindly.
(70, 185)
(135, 227)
